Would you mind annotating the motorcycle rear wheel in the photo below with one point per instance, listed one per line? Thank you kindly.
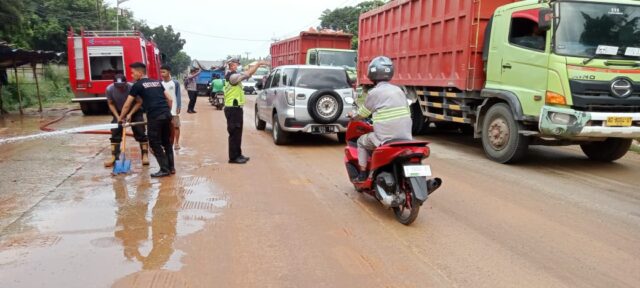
(406, 215)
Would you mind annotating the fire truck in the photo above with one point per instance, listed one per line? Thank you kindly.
(95, 57)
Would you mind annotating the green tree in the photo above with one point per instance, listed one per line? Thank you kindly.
(12, 17)
(169, 43)
(180, 62)
(346, 18)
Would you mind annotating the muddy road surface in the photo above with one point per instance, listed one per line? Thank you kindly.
(290, 218)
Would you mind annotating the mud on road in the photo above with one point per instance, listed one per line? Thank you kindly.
(290, 218)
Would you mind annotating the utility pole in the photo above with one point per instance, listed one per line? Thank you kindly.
(99, 14)
(247, 55)
(118, 14)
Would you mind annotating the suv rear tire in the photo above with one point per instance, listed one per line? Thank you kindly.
(280, 137)
(325, 106)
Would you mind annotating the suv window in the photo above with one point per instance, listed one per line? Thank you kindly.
(287, 77)
(322, 79)
(267, 83)
(276, 79)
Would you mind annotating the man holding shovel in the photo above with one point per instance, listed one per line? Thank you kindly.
(117, 93)
(157, 104)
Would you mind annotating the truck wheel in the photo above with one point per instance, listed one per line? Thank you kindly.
(280, 137)
(325, 106)
(501, 139)
(420, 123)
(86, 108)
(260, 125)
(609, 150)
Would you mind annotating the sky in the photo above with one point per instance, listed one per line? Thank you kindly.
(213, 28)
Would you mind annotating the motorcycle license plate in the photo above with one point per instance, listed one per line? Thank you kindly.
(619, 121)
(417, 171)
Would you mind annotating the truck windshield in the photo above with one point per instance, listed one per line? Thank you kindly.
(345, 59)
(585, 29)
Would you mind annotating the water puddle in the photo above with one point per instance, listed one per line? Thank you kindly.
(125, 224)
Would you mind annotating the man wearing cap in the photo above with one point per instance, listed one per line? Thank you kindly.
(233, 102)
(117, 93)
(157, 104)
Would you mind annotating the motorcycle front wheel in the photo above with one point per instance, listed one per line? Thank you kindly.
(408, 212)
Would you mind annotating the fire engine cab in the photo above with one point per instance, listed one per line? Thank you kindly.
(95, 57)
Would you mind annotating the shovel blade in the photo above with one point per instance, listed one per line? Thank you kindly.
(122, 166)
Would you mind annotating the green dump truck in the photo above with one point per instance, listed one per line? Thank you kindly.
(519, 73)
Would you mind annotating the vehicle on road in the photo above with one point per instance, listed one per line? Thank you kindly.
(517, 73)
(249, 86)
(304, 98)
(316, 48)
(217, 100)
(397, 177)
(203, 81)
(95, 57)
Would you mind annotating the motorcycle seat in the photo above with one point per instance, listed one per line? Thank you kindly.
(404, 142)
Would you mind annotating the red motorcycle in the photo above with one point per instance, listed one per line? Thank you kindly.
(397, 177)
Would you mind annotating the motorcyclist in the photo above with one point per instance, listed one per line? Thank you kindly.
(387, 105)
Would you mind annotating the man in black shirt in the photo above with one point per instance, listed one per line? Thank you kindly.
(157, 104)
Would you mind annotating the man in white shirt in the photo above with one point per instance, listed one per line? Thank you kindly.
(173, 87)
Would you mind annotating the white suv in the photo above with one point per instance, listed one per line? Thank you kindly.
(304, 98)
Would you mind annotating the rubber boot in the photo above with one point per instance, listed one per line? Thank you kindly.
(164, 168)
(144, 152)
(172, 167)
(115, 153)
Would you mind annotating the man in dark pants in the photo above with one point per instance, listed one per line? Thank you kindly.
(117, 94)
(192, 89)
(157, 104)
(234, 101)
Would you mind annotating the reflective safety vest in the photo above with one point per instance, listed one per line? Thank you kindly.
(389, 114)
(233, 92)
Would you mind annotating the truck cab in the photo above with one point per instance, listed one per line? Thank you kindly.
(334, 57)
(569, 71)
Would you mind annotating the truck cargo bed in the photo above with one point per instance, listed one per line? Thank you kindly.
(433, 43)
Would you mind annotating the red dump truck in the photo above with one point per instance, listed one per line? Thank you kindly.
(315, 48)
(517, 73)
(95, 57)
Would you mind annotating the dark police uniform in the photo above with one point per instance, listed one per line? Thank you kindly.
(234, 100)
(119, 97)
(158, 120)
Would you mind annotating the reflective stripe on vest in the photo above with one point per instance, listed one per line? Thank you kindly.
(233, 92)
(391, 114)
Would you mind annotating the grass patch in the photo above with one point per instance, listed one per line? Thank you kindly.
(54, 90)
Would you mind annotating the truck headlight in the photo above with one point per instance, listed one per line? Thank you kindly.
(562, 119)
(291, 97)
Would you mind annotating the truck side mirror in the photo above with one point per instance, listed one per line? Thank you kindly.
(545, 18)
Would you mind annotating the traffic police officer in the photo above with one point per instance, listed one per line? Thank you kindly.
(234, 101)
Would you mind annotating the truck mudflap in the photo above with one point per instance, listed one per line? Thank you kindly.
(568, 123)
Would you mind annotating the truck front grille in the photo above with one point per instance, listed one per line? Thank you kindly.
(597, 96)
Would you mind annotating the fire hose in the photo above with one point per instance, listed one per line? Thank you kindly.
(45, 127)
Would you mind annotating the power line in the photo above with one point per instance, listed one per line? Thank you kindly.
(209, 35)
